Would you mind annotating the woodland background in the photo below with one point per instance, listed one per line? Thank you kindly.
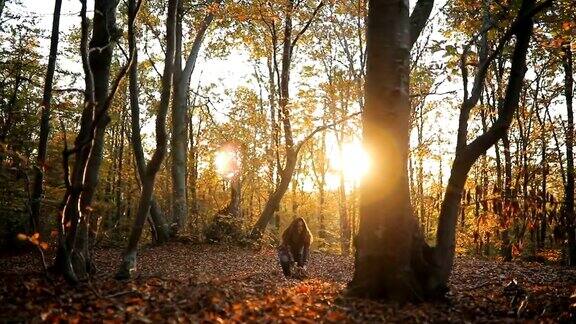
(221, 121)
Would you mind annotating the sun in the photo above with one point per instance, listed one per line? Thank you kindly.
(354, 162)
(226, 162)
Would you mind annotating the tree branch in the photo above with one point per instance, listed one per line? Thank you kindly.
(307, 25)
(322, 128)
(419, 18)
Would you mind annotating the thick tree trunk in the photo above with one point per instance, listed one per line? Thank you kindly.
(233, 207)
(44, 119)
(383, 245)
(128, 265)
(73, 258)
(569, 190)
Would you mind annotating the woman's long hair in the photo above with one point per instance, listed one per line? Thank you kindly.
(291, 236)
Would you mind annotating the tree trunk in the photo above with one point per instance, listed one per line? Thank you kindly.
(120, 168)
(179, 116)
(233, 207)
(383, 245)
(543, 195)
(128, 265)
(506, 216)
(345, 232)
(73, 258)
(2, 4)
(193, 175)
(44, 119)
(420, 130)
(161, 228)
(467, 154)
(569, 190)
(292, 150)
(178, 141)
(273, 203)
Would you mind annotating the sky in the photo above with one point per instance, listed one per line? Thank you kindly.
(236, 69)
(225, 73)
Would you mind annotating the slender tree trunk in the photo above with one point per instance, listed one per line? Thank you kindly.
(120, 170)
(345, 232)
(179, 116)
(273, 203)
(321, 214)
(128, 265)
(44, 119)
(467, 154)
(292, 150)
(506, 248)
(178, 142)
(569, 190)
(160, 227)
(543, 195)
(193, 175)
(2, 4)
(421, 207)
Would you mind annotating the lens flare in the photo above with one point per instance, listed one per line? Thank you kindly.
(227, 162)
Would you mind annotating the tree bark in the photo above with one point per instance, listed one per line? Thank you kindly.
(2, 5)
(179, 116)
(38, 188)
(73, 258)
(467, 154)
(161, 229)
(383, 244)
(506, 248)
(128, 265)
(569, 189)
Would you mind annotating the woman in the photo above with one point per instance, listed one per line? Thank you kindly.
(295, 247)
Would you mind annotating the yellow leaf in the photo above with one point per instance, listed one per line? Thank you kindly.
(22, 237)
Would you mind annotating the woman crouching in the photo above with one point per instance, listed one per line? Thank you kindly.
(295, 248)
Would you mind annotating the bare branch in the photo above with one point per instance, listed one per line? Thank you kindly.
(307, 25)
(322, 128)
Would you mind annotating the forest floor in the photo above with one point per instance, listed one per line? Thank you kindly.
(180, 282)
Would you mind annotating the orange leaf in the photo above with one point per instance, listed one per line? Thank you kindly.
(44, 246)
(22, 237)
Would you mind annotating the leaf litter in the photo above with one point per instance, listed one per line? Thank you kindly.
(180, 282)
